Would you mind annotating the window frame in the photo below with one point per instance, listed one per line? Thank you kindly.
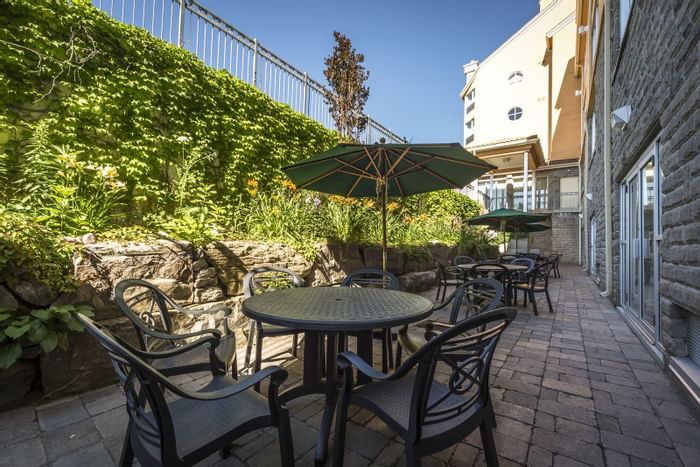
(517, 112)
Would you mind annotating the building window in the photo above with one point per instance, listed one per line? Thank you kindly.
(625, 10)
(469, 132)
(515, 77)
(515, 113)
(540, 193)
(594, 34)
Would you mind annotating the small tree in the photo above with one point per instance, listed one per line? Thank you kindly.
(348, 94)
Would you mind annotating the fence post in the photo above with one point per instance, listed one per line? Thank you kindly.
(181, 25)
(306, 94)
(255, 62)
(368, 139)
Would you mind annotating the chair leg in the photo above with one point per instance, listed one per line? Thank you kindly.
(549, 301)
(398, 355)
(389, 347)
(412, 460)
(285, 439)
(385, 363)
(339, 437)
(534, 302)
(437, 295)
(258, 355)
(526, 293)
(249, 345)
(127, 456)
(225, 452)
(295, 343)
(489, 445)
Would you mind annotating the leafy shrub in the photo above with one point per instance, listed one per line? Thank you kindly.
(29, 250)
(48, 328)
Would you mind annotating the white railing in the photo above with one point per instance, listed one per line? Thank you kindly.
(220, 45)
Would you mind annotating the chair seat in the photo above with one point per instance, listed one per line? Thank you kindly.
(198, 423)
(392, 403)
(200, 356)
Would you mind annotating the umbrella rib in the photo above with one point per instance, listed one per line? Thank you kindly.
(398, 160)
(371, 160)
(440, 177)
(357, 182)
(398, 185)
(330, 172)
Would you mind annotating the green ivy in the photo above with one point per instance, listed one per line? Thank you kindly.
(115, 95)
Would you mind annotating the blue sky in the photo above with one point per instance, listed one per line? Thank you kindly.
(414, 50)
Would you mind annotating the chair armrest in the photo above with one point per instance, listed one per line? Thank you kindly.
(437, 324)
(173, 337)
(347, 360)
(157, 354)
(277, 375)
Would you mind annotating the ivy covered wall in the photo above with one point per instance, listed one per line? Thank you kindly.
(149, 114)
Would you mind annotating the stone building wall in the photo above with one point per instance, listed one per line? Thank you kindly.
(655, 69)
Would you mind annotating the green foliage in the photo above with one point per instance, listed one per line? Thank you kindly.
(31, 251)
(48, 328)
(114, 95)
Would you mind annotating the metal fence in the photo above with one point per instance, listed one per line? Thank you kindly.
(220, 45)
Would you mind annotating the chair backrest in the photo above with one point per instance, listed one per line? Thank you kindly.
(475, 297)
(152, 431)
(148, 309)
(496, 270)
(539, 276)
(529, 262)
(370, 277)
(266, 278)
(463, 355)
(462, 260)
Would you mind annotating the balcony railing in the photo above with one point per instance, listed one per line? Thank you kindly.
(543, 202)
(220, 45)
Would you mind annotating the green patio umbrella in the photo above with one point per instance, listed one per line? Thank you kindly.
(510, 220)
(369, 170)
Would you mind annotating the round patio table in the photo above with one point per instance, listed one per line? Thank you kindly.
(484, 267)
(328, 312)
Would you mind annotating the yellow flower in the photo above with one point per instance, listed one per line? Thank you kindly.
(289, 185)
(368, 203)
(392, 206)
(252, 187)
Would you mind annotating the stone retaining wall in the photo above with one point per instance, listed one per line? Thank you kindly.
(193, 277)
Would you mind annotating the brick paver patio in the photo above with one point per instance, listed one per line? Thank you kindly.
(569, 389)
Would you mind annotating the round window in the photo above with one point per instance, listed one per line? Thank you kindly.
(515, 113)
(515, 77)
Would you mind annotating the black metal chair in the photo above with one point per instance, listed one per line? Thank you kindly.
(371, 277)
(468, 300)
(496, 271)
(173, 426)
(554, 259)
(447, 276)
(438, 396)
(457, 260)
(538, 282)
(149, 310)
(259, 280)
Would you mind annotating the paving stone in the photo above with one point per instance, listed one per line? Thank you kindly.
(464, 454)
(517, 412)
(689, 455)
(538, 456)
(519, 398)
(390, 454)
(639, 448)
(616, 459)
(576, 414)
(577, 430)
(687, 434)
(27, 453)
(677, 411)
(563, 461)
(91, 455)
(61, 414)
(365, 442)
(67, 439)
(567, 446)
(514, 428)
(511, 448)
(103, 399)
(575, 389)
(17, 425)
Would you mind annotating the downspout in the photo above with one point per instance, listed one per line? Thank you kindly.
(607, 150)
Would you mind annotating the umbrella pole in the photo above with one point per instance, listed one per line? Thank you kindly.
(384, 225)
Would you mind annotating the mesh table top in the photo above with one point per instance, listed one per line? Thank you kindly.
(485, 266)
(337, 308)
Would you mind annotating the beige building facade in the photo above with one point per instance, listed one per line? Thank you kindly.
(522, 114)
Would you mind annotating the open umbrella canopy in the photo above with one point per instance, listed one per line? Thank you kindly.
(507, 220)
(534, 227)
(368, 170)
(354, 170)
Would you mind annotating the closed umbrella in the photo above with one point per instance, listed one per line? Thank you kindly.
(368, 170)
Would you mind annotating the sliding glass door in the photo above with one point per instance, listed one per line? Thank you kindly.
(639, 242)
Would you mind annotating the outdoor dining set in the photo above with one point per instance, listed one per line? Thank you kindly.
(432, 390)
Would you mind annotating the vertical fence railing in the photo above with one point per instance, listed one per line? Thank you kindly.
(220, 45)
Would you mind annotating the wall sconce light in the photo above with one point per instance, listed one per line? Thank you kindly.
(620, 117)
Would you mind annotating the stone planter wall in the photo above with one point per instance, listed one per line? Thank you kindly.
(198, 278)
